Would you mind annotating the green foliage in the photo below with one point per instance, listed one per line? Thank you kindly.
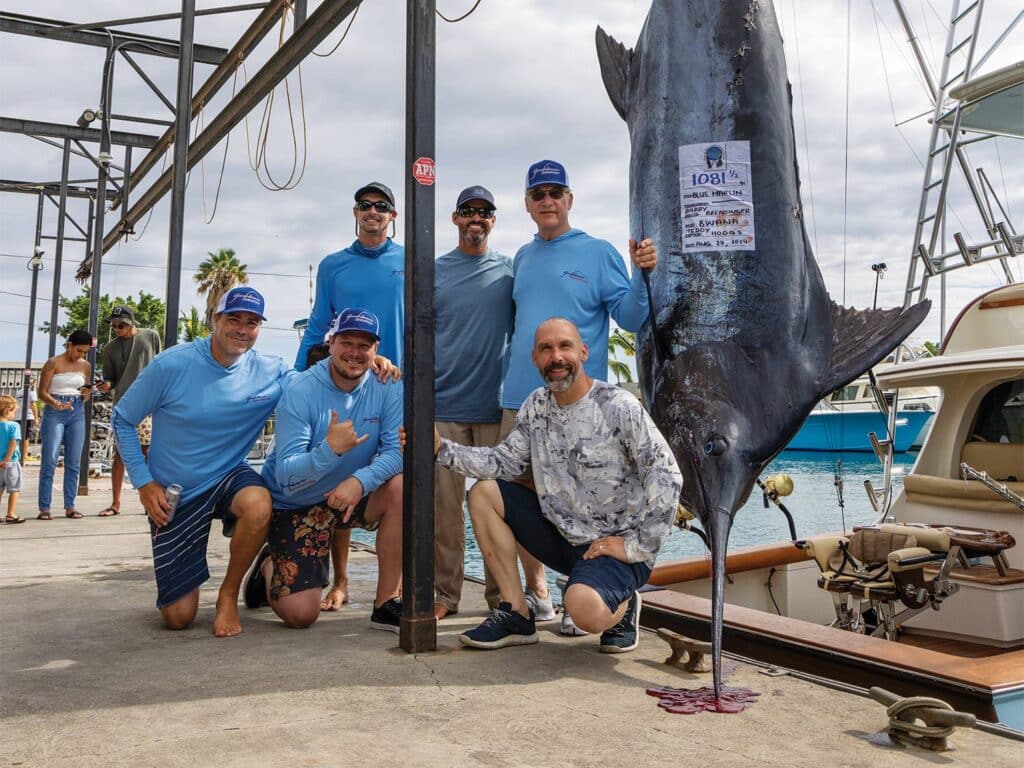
(217, 275)
(932, 347)
(625, 342)
(192, 327)
(149, 313)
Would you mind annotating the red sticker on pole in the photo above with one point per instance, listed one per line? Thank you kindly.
(423, 170)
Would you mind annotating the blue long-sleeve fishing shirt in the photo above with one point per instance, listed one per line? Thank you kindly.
(577, 277)
(369, 278)
(206, 416)
(302, 469)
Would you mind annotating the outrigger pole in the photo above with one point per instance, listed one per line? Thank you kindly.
(418, 628)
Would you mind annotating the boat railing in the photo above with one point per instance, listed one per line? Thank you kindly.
(967, 472)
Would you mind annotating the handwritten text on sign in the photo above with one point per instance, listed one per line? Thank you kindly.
(716, 195)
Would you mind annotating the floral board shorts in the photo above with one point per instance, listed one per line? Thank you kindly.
(144, 429)
(300, 545)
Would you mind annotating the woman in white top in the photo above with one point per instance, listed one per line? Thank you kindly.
(64, 388)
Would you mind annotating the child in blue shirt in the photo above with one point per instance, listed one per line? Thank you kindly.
(10, 458)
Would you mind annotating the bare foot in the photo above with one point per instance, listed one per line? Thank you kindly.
(226, 622)
(441, 611)
(334, 599)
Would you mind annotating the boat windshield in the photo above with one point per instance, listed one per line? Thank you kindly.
(1000, 417)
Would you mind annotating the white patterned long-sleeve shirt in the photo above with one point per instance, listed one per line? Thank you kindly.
(600, 465)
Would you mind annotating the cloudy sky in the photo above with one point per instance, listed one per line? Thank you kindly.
(517, 81)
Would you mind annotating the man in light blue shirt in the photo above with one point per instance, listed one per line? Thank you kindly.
(472, 324)
(370, 273)
(336, 464)
(209, 401)
(566, 272)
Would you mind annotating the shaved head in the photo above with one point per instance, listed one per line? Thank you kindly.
(557, 324)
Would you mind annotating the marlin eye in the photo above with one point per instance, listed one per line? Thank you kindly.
(715, 446)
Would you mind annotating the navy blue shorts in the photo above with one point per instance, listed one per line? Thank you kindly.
(614, 580)
(179, 549)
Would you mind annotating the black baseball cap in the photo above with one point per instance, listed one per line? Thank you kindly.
(475, 193)
(378, 187)
(123, 314)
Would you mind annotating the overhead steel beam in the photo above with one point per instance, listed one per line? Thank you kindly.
(260, 27)
(61, 131)
(318, 26)
(166, 16)
(52, 29)
(49, 188)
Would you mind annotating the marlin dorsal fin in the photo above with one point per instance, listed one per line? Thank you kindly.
(614, 59)
(863, 337)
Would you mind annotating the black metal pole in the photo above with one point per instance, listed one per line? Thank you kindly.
(36, 265)
(418, 631)
(299, 9)
(181, 137)
(58, 254)
(103, 165)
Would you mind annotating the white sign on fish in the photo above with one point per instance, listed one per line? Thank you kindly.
(715, 190)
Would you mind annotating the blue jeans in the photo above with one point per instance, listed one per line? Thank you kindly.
(67, 428)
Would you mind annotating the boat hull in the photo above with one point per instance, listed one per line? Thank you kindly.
(848, 431)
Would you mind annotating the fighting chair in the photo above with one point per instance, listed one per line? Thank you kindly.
(879, 569)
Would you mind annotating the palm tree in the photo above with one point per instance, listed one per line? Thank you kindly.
(192, 326)
(626, 341)
(216, 276)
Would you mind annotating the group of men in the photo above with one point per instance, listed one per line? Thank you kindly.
(574, 475)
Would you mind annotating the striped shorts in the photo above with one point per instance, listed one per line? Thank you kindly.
(179, 549)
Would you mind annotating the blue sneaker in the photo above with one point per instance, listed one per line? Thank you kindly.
(624, 636)
(502, 628)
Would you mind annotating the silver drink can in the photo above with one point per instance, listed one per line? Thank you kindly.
(173, 495)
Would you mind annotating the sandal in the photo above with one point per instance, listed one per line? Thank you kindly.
(13, 520)
(74, 514)
(109, 512)
(44, 515)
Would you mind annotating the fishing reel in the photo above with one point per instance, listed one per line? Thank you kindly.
(773, 489)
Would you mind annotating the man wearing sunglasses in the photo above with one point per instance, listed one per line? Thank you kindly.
(472, 325)
(370, 273)
(124, 357)
(567, 272)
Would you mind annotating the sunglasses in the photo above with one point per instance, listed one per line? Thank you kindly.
(555, 193)
(119, 326)
(380, 206)
(468, 211)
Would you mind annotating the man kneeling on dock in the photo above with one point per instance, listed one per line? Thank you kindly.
(336, 465)
(607, 487)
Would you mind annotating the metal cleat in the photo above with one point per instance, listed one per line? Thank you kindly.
(920, 721)
(684, 647)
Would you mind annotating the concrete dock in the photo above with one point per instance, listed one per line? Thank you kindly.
(88, 677)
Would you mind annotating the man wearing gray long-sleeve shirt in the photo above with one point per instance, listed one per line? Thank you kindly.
(607, 487)
(472, 322)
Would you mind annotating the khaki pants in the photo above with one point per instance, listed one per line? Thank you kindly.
(449, 520)
(491, 592)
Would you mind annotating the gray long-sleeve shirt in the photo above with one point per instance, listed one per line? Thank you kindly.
(600, 465)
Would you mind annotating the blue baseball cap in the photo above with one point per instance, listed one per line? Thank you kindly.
(242, 298)
(546, 172)
(475, 193)
(355, 319)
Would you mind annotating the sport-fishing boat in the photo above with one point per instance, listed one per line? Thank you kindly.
(929, 599)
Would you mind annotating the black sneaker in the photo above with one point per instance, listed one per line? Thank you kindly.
(255, 584)
(388, 616)
(502, 628)
(624, 636)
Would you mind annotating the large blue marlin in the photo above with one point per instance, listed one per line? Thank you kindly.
(743, 338)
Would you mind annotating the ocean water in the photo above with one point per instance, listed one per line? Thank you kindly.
(814, 505)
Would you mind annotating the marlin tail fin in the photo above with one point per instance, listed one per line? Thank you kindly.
(863, 337)
(614, 59)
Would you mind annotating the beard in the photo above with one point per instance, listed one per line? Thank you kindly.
(560, 385)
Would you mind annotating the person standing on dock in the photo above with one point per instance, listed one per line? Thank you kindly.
(369, 273)
(607, 488)
(124, 357)
(336, 465)
(582, 278)
(472, 325)
(209, 401)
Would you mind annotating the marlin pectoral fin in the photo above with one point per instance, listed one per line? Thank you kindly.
(863, 337)
(614, 59)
